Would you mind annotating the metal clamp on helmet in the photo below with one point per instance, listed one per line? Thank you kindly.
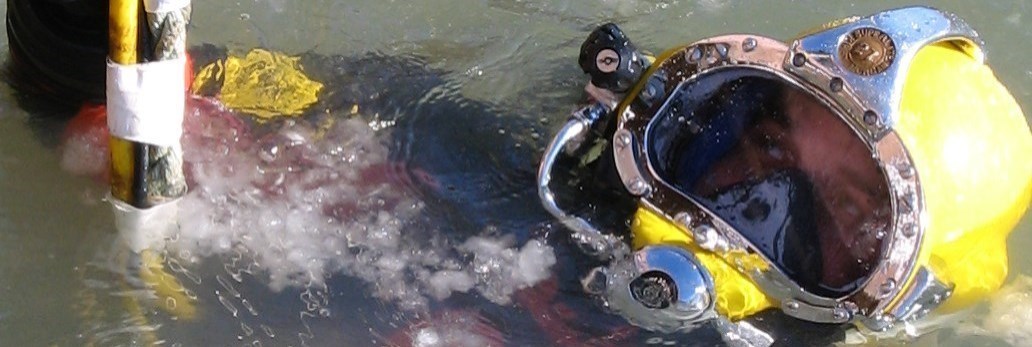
(779, 165)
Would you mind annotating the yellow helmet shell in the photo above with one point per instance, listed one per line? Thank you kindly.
(972, 149)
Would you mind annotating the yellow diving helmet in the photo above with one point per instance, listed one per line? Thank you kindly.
(865, 173)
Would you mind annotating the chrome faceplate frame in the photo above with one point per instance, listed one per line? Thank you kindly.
(869, 104)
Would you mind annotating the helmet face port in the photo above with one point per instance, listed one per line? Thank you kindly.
(782, 168)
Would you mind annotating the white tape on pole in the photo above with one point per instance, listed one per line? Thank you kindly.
(159, 6)
(145, 102)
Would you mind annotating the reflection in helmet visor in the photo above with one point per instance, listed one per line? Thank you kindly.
(782, 169)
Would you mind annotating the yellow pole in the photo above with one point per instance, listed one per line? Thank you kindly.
(142, 175)
(123, 35)
(123, 30)
(129, 161)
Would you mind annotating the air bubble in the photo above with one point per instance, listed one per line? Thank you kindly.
(269, 151)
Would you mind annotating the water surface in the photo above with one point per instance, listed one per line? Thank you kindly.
(447, 246)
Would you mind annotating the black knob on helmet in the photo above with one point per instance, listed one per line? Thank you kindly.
(611, 59)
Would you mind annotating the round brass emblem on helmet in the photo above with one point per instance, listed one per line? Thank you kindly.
(867, 51)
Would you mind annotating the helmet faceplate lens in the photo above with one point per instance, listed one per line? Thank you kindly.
(780, 167)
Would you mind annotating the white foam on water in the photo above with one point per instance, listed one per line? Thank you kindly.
(501, 269)
(447, 336)
(310, 202)
(83, 153)
(302, 203)
(1010, 313)
(454, 329)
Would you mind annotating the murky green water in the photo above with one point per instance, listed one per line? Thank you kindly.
(64, 279)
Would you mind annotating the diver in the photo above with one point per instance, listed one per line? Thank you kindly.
(863, 175)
